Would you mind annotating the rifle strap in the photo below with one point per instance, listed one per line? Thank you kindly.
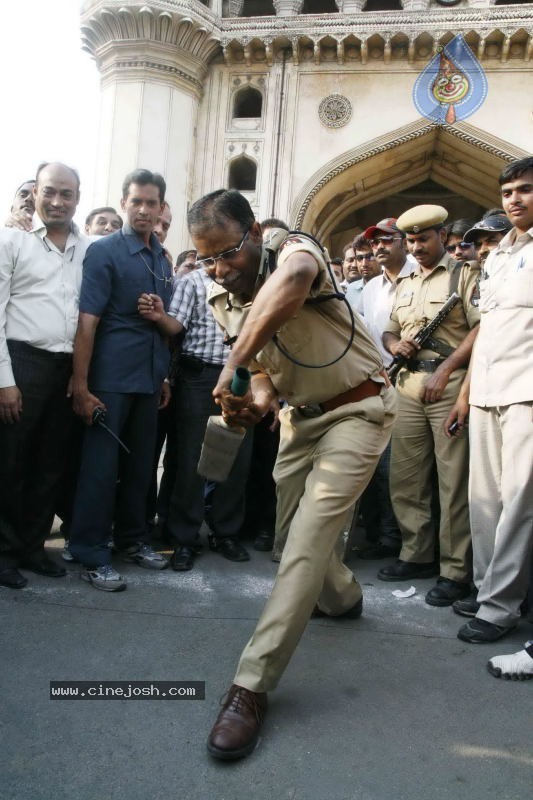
(438, 346)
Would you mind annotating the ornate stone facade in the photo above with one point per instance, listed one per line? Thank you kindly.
(319, 104)
(335, 110)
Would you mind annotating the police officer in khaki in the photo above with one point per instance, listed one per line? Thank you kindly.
(500, 394)
(428, 388)
(281, 309)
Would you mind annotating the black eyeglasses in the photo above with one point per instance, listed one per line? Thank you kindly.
(450, 248)
(227, 254)
(387, 239)
(364, 257)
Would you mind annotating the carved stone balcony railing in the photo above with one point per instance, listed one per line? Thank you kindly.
(196, 34)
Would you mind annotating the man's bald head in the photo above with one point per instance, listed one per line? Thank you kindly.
(57, 194)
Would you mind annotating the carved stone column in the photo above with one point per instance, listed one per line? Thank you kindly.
(234, 7)
(152, 65)
(288, 8)
(349, 6)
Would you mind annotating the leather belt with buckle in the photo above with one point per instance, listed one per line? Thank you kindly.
(368, 388)
(424, 365)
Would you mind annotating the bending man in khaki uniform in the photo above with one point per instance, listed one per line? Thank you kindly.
(428, 388)
(332, 434)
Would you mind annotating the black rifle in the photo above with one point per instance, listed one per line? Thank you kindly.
(424, 334)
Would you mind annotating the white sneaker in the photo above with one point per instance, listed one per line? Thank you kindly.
(517, 666)
(105, 578)
(145, 556)
(66, 555)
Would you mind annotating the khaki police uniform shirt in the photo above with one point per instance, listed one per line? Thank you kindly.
(316, 334)
(419, 297)
(502, 369)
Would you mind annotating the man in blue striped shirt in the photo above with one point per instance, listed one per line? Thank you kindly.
(203, 354)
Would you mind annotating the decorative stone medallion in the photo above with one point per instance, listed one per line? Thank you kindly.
(335, 110)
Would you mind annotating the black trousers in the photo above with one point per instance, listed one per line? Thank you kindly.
(379, 520)
(32, 451)
(98, 501)
(260, 503)
(158, 501)
(194, 405)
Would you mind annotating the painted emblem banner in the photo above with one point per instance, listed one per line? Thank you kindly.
(452, 86)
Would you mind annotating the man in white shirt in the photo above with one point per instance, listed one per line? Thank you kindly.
(375, 305)
(388, 246)
(349, 266)
(40, 276)
(499, 388)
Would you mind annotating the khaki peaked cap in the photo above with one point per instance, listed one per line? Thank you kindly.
(419, 218)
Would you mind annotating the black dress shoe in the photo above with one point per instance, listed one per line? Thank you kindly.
(376, 551)
(478, 631)
(468, 606)
(236, 730)
(229, 548)
(353, 613)
(12, 578)
(182, 558)
(264, 541)
(43, 565)
(406, 571)
(446, 592)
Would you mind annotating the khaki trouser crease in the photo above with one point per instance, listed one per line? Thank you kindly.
(324, 465)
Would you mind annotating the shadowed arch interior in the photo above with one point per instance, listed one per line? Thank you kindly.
(242, 174)
(247, 103)
(461, 159)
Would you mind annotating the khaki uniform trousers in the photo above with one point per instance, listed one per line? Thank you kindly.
(324, 464)
(501, 508)
(418, 439)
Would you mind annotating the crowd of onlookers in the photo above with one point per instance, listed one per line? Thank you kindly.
(93, 395)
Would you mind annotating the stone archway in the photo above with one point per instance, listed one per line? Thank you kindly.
(461, 158)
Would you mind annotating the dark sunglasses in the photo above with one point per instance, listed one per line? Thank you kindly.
(450, 248)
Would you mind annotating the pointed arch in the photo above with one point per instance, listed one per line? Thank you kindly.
(460, 157)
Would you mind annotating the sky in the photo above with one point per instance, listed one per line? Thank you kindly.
(50, 96)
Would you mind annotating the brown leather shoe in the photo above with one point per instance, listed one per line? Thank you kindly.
(236, 730)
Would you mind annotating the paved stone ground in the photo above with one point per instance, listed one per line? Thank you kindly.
(390, 707)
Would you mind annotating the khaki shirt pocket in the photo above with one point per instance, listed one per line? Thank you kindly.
(291, 340)
(293, 337)
(403, 307)
(436, 297)
(517, 289)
